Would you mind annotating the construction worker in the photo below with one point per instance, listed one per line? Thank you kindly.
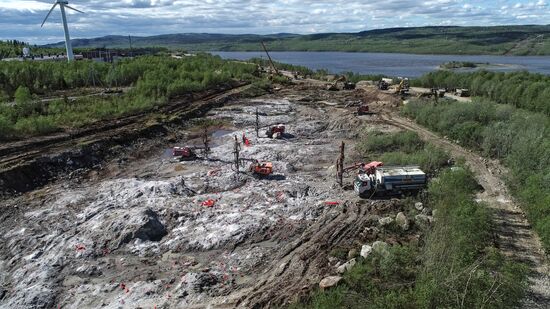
(246, 142)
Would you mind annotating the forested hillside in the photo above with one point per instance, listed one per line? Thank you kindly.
(498, 40)
(153, 80)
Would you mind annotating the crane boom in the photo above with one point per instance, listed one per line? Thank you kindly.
(270, 61)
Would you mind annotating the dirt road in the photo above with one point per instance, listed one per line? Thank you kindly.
(515, 237)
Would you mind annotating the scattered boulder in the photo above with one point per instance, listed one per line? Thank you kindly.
(346, 266)
(427, 211)
(329, 282)
(201, 282)
(366, 250)
(146, 227)
(419, 206)
(372, 219)
(423, 220)
(402, 221)
(385, 221)
(204, 281)
(352, 254)
(381, 248)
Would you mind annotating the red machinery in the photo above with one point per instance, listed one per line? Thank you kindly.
(368, 168)
(262, 168)
(185, 153)
(363, 110)
(276, 131)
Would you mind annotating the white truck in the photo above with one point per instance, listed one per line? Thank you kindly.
(387, 180)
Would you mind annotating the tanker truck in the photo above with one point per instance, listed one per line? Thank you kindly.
(388, 180)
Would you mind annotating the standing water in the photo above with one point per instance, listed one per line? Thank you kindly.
(408, 65)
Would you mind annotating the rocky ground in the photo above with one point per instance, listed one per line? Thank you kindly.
(137, 234)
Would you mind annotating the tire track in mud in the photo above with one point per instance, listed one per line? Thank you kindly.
(303, 263)
(32, 164)
(515, 237)
(24, 150)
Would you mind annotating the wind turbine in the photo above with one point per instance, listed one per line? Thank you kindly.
(62, 5)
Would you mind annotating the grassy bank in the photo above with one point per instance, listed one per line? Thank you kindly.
(154, 81)
(453, 266)
(518, 138)
(402, 148)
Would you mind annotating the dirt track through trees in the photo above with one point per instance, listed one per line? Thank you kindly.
(515, 237)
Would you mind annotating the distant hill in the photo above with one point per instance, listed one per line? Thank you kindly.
(498, 40)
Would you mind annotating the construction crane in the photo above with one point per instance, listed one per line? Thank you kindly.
(270, 61)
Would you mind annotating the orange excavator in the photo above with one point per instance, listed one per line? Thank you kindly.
(260, 169)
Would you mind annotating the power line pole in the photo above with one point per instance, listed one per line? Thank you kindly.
(340, 165)
(236, 151)
(206, 142)
(257, 123)
(131, 50)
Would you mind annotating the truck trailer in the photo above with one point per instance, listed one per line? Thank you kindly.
(389, 180)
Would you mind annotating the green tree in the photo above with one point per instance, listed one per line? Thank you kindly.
(22, 95)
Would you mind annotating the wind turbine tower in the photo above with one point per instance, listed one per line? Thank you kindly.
(62, 5)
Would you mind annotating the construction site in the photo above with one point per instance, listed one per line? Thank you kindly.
(234, 202)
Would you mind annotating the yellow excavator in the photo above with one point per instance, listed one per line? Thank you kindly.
(403, 87)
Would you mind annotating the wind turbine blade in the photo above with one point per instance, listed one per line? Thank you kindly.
(70, 7)
(53, 7)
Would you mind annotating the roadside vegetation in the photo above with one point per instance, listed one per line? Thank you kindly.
(455, 263)
(153, 80)
(403, 148)
(521, 89)
(518, 138)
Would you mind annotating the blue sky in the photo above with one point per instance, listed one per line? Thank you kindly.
(21, 19)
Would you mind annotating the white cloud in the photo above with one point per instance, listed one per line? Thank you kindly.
(21, 19)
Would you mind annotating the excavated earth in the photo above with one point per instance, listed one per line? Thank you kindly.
(134, 233)
(134, 230)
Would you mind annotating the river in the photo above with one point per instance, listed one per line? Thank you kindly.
(407, 65)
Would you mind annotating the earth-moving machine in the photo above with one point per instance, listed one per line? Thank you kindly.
(346, 85)
(260, 169)
(363, 109)
(184, 153)
(403, 87)
(276, 131)
(375, 178)
(462, 92)
(383, 85)
(349, 86)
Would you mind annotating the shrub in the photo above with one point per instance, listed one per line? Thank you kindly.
(377, 142)
(520, 139)
(460, 268)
